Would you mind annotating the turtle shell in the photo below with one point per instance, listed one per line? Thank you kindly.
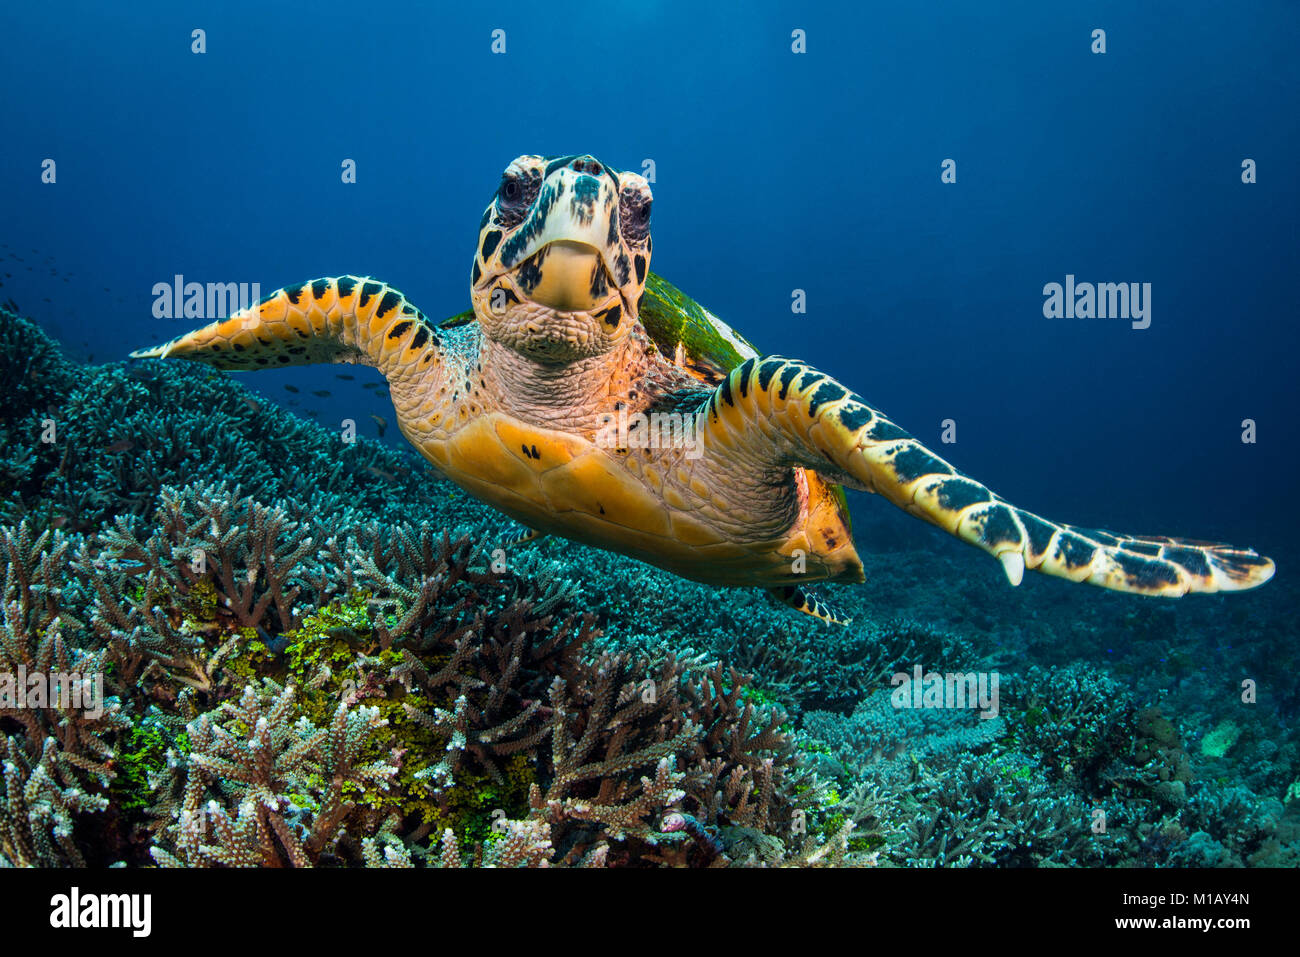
(690, 336)
(460, 319)
(697, 341)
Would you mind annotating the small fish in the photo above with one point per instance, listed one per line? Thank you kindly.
(58, 521)
(371, 385)
(313, 413)
(291, 388)
(381, 473)
(295, 403)
(121, 445)
(380, 423)
(344, 376)
(253, 404)
(321, 393)
(46, 299)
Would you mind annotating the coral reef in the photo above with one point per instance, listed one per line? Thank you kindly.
(281, 648)
(431, 697)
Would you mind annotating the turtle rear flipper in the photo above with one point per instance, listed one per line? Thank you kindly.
(786, 413)
(344, 319)
(800, 599)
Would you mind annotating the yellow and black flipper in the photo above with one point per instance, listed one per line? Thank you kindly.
(800, 599)
(785, 412)
(343, 319)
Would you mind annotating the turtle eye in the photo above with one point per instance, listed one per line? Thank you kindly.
(511, 190)
(515, 194)
(634, 216)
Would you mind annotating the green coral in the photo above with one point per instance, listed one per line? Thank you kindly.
(200, 603)
(1036, 715)
(332, 656)
(474, 804)
(1224, 736)
(141, 759)
(252, 659)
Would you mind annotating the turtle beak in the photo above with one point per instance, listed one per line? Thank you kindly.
(567, 276)
(568, 258)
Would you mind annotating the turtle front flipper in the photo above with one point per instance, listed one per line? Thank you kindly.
(780, 412)
(344, 319)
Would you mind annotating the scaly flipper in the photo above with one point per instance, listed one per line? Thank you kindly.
(800, 599)
(347, 319)
(781, 412)
(512, 533)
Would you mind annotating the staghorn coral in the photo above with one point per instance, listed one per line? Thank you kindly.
(68, 708)
(38, 814)
(51, 689)
(250, 553)
(461, 667)
(990, 813)
(1086, 731)
(891, 740)
(606, 726)
(738, 769)
(257, 757)
(37, 380)
(511, 731)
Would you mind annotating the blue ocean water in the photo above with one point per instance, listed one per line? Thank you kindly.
(774, 171)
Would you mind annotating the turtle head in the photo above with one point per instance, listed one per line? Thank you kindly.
(563, 253)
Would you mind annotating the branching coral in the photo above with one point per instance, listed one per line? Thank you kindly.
(253, 756)
(50, 688)
(37, 812)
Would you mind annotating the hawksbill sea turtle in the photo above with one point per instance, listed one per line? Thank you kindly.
(548, 401)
